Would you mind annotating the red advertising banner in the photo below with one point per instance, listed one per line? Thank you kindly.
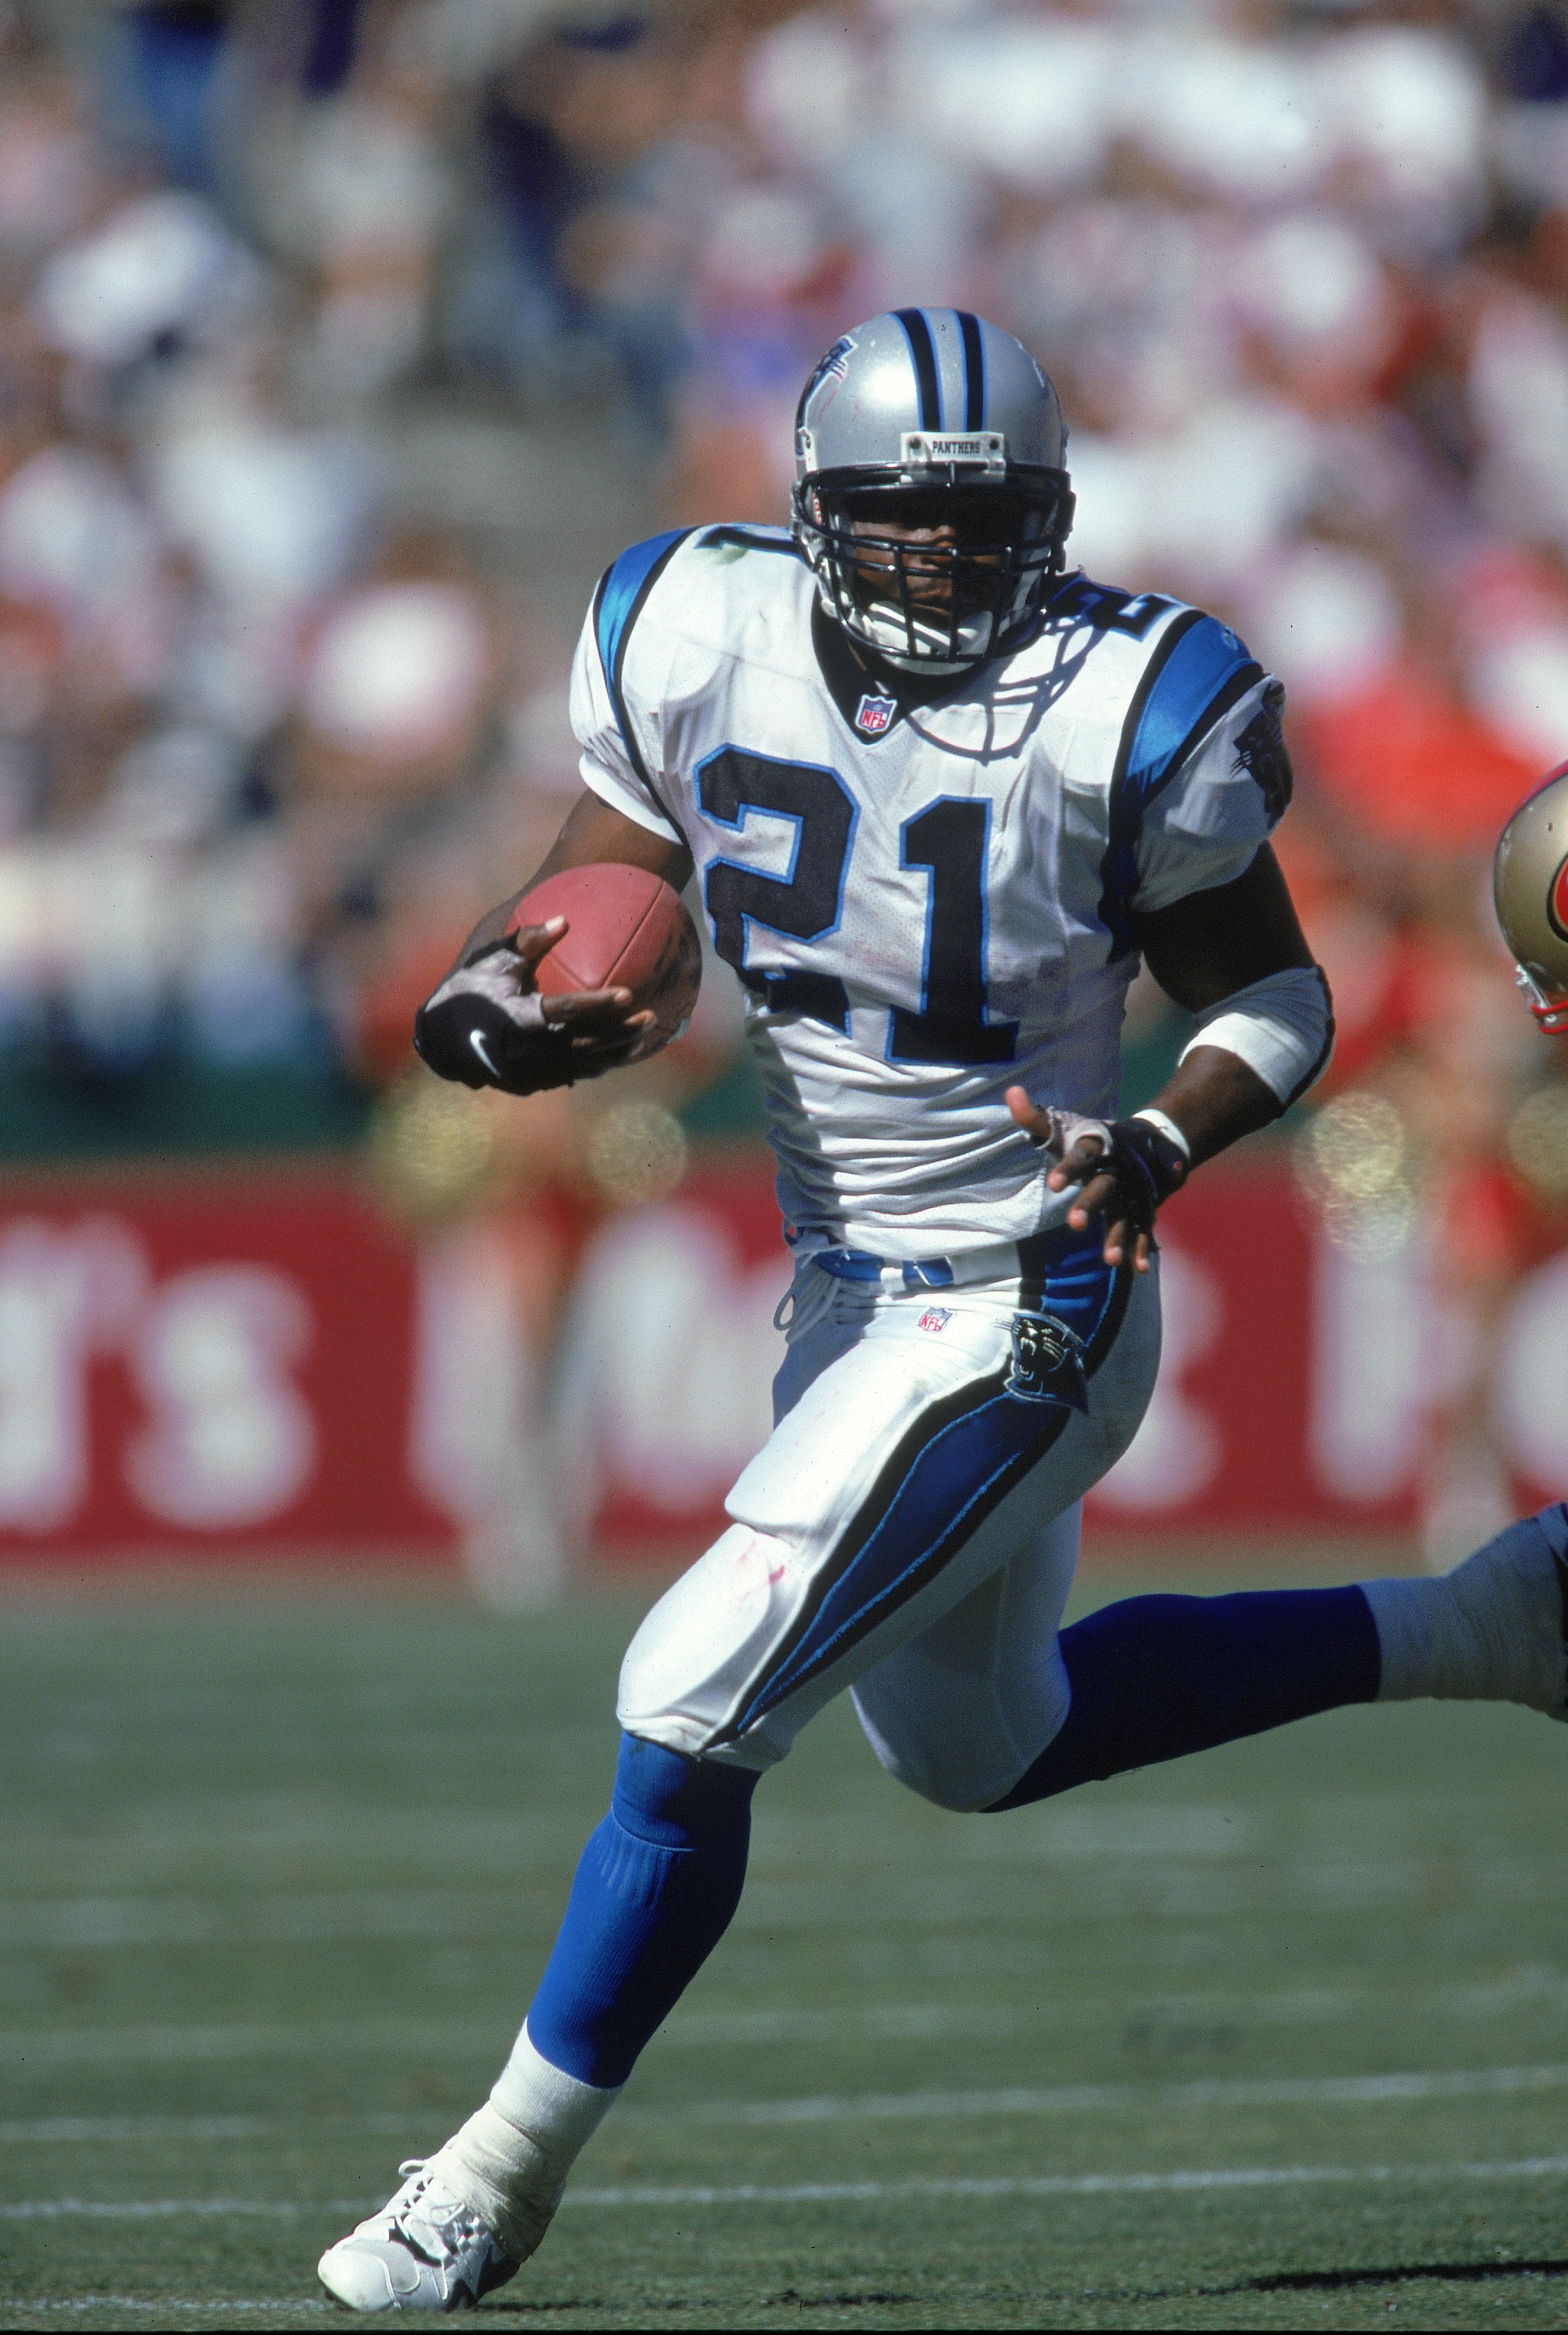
(251, 1364)
(219, 1364)
(1297, 1391)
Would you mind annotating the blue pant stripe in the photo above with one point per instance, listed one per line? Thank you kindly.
(954, 1483)
(954, 1465)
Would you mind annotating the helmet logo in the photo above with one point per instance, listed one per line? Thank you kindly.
(873, 715)
(1557, 902)
(832, 366)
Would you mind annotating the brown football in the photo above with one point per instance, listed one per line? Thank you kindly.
(628, 931)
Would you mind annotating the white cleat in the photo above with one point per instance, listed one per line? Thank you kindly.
(424, 2251)
(1514, 1595)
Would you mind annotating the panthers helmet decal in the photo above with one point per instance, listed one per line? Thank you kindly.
(931, 420)
(1530, 889)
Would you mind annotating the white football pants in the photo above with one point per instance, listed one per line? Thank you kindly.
(910, 1528)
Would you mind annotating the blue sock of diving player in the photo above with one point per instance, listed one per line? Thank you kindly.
(1155, 1677)
(656, 1890)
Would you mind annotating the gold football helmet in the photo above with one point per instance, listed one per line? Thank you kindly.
(1530, 887)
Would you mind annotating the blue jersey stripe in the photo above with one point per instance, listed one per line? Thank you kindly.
(619, 598)
(623, 587)
(1198, 668)
(1190, 680)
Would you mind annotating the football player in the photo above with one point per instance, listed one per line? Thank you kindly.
(941, 798)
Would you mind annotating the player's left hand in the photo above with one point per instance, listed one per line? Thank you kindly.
(1125, 1167)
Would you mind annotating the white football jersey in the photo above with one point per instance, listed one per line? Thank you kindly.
(927, 902)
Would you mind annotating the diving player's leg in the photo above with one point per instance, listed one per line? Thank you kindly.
(988, 1708)
(1153, 1677)
(1494, 1630)
(991, 1707)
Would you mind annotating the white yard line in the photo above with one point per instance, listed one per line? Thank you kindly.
(80, 1923)
(846, 2193)
(30, 2132)
(1058, 2099)
(1076, 2184)
(19, 2048)
(77, 2131)
(274, 2305)
(1078, 2100)
(1531, 1989)
(1186, 1887)
(164, 2209)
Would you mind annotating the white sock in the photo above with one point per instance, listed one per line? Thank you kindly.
(509, 2162)
(1492, 1631)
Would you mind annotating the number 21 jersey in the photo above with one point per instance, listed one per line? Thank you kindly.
(926, 903)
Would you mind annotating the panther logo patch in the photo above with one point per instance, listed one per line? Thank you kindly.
(1047, 1363)
(1261, 754)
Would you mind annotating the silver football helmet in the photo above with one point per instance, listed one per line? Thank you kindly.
(931, 420)
(1530, 889)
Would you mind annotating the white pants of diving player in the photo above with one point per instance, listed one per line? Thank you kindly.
(909, 1531)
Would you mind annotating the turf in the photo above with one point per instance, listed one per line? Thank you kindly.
(279, 1874)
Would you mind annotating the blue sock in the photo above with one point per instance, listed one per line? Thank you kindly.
(1155, 1677)
(654, 1892)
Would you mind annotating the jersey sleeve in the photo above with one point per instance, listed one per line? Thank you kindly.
(1204, 778)
(618, 734)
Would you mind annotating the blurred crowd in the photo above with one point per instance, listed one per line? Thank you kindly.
(1299, 268)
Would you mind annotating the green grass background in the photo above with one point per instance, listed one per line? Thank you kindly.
(280, 1871)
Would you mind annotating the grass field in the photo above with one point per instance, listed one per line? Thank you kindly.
(1277, 2036)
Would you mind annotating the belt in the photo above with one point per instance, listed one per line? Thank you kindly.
(922, 1272)
(999, 1261)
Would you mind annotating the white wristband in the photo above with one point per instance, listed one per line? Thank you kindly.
(1168, 1127)
(1281, 1027)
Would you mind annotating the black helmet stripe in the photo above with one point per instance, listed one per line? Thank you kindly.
(974, 371)
(923, 355)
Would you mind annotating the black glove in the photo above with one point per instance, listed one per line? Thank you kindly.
(1146, 1165)
(484, 1029)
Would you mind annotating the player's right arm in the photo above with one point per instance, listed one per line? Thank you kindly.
(487, 1025)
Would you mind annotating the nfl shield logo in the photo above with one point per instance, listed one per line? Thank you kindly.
(875, 714)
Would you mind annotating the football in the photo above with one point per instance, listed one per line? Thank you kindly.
(628, 930)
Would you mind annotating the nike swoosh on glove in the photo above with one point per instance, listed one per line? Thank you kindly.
(483, 1029)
